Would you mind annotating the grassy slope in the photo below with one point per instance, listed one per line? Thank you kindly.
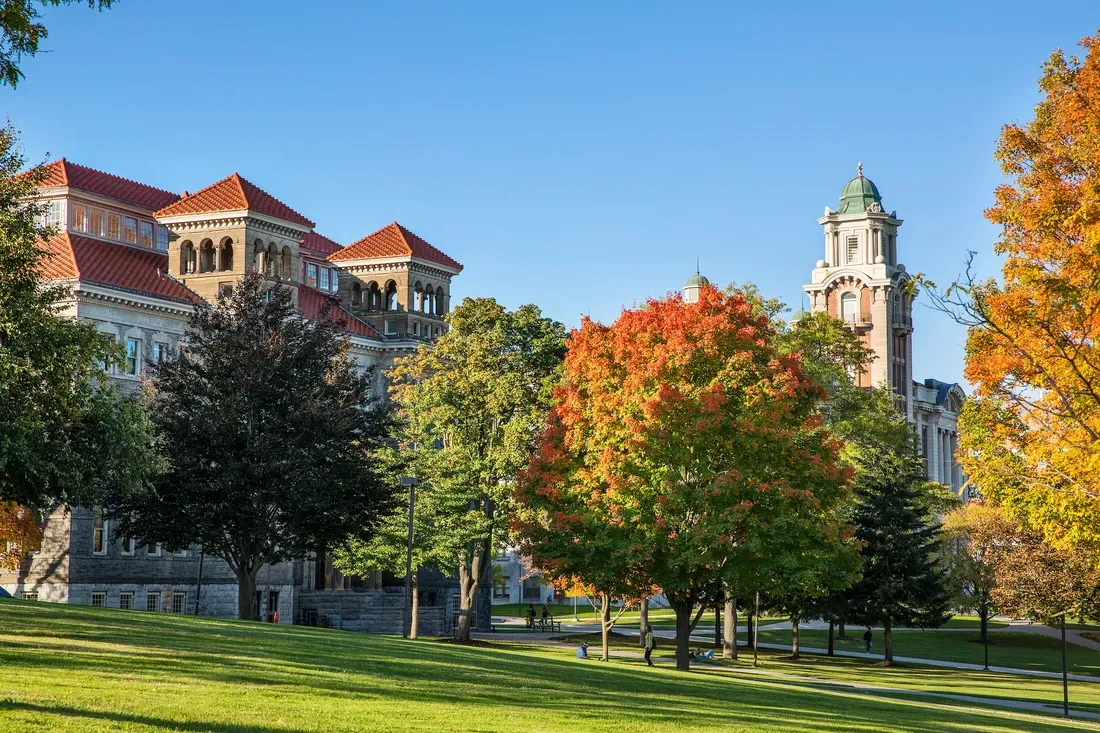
(1006, 649)
(86, 669)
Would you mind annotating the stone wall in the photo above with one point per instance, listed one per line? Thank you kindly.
(372, 611)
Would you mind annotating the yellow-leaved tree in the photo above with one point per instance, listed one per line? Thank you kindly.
(20, 533)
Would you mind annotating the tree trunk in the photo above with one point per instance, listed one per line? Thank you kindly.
(888, 642)
(717, 627)
(605, 624)
(984, 612)
(414, 618)
(840, 633)
(831, 639)
(749, 620)
(643, 621)
(794, 637)
(246, 595)
(729, 631)
(466, 589)
(683, 611)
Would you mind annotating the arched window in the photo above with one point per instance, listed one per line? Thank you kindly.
(849, 307)
(440, 302)
(390, 296)
(258, 252)
(206, 256)
(285, 263)
(225, 255)
(187, 254)
(356, 294)
(374, 297)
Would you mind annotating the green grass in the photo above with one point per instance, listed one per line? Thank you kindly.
(73, 668)
(1006, 648)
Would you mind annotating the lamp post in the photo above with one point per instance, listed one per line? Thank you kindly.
(406, 623)
(1065, 671)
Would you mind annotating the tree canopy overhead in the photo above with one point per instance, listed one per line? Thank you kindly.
(22, 31)
(270, 437)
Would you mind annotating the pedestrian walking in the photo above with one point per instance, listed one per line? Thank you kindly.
(648, 644)
(867, 635)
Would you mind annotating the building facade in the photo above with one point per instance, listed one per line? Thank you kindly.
(862, 281)
(138, 260)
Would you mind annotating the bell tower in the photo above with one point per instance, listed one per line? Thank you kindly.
(860, 281)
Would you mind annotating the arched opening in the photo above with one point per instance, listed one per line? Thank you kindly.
(258, 256)
(356, 294)
(285, 264)
(373, 297)
(187, 256)
(440, 302)
(272, 260)
(418, 297)
(849, 307)
(389, 301)
(429, 297)
(206, 256)
(225, 255)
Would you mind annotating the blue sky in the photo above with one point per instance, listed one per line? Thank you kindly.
(578, 156)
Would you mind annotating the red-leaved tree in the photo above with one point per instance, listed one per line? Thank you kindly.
(685, 452)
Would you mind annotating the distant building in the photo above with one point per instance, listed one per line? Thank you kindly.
(139, 260)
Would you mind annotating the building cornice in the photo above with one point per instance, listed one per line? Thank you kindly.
(96, 291)
(239, 217)
(383, 264)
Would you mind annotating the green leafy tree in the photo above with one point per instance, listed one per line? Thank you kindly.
(1043, 582)
(270, 438)
(976, 538)
(903, 582)
(21, 32)
(471, 407)
(64, 432)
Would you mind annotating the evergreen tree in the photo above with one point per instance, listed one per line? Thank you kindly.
(903, 583)
(270, 438)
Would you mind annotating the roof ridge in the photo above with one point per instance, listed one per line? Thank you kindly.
(65, 163)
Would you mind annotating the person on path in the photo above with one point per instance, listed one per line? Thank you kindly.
(530, 615)
(867, 635)
(648, 644)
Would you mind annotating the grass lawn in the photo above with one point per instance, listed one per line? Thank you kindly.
(75, 668)
(1006, 648)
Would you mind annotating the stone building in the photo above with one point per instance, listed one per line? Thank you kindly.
(862, 281)
(139, 260)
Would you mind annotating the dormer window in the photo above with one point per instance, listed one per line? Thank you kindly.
(129, 229)
(95, 221)
(78, 215)
(145, 233)
(114, 225)
(324, 278)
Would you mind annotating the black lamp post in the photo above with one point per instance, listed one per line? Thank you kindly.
(406, 624)
(1065, 671)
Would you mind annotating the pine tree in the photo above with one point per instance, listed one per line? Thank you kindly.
(903, 582)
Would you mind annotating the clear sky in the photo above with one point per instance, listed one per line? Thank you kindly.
(575, 155)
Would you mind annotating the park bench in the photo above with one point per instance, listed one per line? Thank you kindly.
(548, 624)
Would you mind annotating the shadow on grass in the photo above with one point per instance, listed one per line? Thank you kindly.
(65, 711)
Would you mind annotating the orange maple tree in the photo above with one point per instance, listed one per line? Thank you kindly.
(684, 452)
(1030, 437)
(20, 533)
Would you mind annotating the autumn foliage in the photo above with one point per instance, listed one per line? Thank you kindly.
(20, 533)
(686, 452)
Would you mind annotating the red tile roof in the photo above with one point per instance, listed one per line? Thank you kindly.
(319, 244)
(64, 173)
(311, 301)
(133, 269)
(393, 240)
(233, 194)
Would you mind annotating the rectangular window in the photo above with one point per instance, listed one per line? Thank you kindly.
(126, 600)
(145, 233)
(153, 550)
(152, 601)
(853, 249)
(501, 587)
(133, 356)
(416, 328)
(324, 278)
(129, 230)
(114, 225)
(98, 596)
(311, 275)
(29, 595)
(128, 545)
(162, 238)
(78, 217)
(387, 328)
(333, 281)
(178, 602)
(99, 534)
(52, 216)
(160, 351)
(95, 221)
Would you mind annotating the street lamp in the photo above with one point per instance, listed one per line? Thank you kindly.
(406, 623)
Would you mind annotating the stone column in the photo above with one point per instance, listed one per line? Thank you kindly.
(933, 451)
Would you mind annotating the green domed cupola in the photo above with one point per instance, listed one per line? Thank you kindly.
(697, 280)
(694, 284)
(859, 194)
